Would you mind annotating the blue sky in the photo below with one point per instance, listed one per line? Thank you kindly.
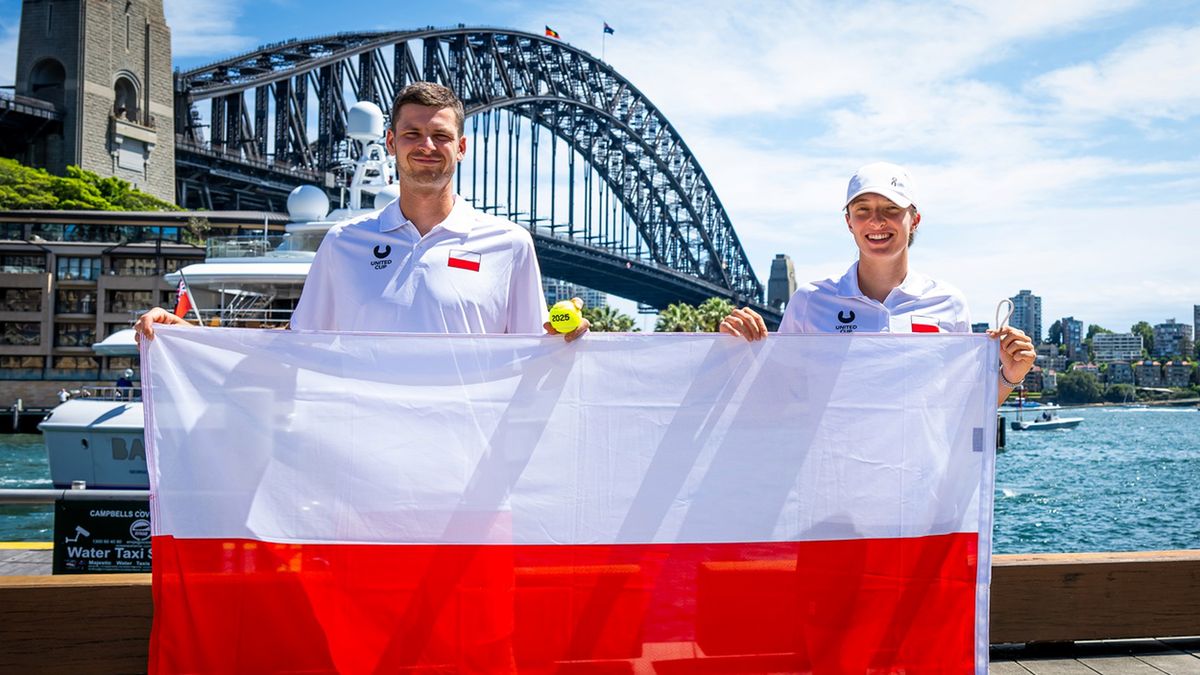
(1056, 145)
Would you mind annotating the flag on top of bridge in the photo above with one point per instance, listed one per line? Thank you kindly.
(608, 30)
(331, 502)
(550, 32)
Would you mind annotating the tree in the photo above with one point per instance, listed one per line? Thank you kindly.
(1142, 328)
(22, 187)
(1077, 386)
(1055, 334)
(711, 312)
(678, 318)
(1092, 331)
(609, 320)
(1120, 393)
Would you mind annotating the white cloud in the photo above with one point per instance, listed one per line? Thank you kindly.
(1153, 76)
(206, 29)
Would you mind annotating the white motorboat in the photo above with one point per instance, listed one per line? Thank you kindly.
(97, 436)
(1046, 422)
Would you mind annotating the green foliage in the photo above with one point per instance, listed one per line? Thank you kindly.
(609, 320)
(1143, 328)
(1078, 386)
(1120, 393)
(1093, 329)
(22, 187)
(711, 312)
(1055, 334)
(678, 318)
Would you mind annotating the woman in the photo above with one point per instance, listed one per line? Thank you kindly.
(879, 294)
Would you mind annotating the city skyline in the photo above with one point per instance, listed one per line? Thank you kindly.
(1054, 145)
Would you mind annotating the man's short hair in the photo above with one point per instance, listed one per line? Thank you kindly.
(432, 95)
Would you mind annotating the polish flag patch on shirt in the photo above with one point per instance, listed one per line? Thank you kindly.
(925, 324)
(464, 260)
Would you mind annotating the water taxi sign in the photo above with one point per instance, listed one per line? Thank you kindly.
(101, 537)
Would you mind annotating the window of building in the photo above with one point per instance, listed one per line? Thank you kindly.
(14, 263)
(78, 269)
(74, 335)
(21, 333)
(47, 80)
(168, 298)
(130, 301)
(10, 362)
(110, 328)
(121, 363)
(75, 363)
(176, 264)
(12, 231)
(21, 299)
(135, 267)
(75, 301)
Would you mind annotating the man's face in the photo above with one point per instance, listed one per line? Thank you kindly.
(880, 226)
(426, 144)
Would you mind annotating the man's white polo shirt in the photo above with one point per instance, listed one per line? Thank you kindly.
(472, 273)
(919, 304)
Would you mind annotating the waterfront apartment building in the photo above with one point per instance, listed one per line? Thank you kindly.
(68, 279)
(1118, 372)
(1196, 327)
(782, 282)
(1027, 314)
(1172, 339)
(555, 290)
(1072, 335)
(1117, 346)
(1178, 373)
(1148, 373)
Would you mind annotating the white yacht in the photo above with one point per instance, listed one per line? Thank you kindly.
(96, 437)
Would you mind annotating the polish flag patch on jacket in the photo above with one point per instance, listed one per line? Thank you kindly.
(464, 260)
(925, 324)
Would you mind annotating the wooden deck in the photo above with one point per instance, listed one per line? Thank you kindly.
(1167, 656)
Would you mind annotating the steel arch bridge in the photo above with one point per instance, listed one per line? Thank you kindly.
(626, 210)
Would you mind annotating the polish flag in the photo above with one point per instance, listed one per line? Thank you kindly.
(464, 260)
(183, 300)
(626, 503)
(925, 324)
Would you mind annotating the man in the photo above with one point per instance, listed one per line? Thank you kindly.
(879, 293)
(427, 262)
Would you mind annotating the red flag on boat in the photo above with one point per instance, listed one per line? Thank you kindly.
(631, 503)
(183, 300)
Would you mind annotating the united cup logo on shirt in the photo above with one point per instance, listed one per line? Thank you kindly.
(846, 322)
(381, 257)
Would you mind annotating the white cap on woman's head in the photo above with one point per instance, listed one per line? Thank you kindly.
(883, 178)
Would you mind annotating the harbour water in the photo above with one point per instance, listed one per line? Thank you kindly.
(1124, 480)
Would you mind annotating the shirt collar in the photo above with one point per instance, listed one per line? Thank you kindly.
(459, 221)
(914, 285)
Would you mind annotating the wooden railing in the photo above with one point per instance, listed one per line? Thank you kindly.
(101, 623)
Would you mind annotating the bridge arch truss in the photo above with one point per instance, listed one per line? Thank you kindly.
(613, 195)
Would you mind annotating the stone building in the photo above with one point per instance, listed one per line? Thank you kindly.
(105, 65)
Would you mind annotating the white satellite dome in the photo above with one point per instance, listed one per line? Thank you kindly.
(306, 203)
(385, 196)
(364, 122)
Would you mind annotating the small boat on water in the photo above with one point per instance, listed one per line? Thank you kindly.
(1047, 421)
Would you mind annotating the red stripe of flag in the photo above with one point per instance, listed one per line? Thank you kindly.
(849, 606)
(464, 260)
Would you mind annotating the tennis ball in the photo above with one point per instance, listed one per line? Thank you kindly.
(564, 316)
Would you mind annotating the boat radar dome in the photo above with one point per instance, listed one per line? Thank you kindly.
(364, 122)
(386, 196)
(307, 203)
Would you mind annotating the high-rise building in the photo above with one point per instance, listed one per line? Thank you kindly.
(1117, 346)
(782, 283)
(556, 289)
(1172, 339)
(1027, 314)
(1072, 335)
(1196, 325)
(980, 327)
(107, 67)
